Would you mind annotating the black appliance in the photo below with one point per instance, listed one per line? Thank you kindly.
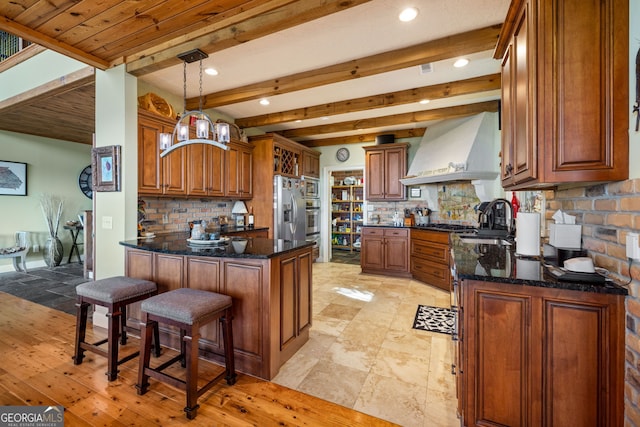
(496, 218)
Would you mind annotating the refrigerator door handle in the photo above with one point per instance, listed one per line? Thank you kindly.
(294, 208)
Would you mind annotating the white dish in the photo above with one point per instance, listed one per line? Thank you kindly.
(207, 242)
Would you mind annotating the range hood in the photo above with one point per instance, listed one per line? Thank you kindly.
(462, 149)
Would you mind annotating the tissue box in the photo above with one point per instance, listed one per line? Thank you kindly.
(565, 235)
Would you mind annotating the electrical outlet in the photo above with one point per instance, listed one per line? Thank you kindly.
(633, 246)
(36, 248)
(165, 218)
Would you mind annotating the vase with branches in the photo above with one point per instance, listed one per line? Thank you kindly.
(52, 207)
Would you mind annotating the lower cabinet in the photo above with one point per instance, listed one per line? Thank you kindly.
(271, 302)
(540, 356)
(430, 256)
(385, 251)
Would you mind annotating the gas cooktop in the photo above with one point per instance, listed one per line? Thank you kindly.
(452, 228)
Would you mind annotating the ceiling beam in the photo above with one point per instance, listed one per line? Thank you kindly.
(390, 99)
(393, 120)
(359, 139)
(459, 44)
(34, 36)
(250, 24)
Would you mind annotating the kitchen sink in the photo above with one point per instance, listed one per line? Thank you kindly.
(484, 240)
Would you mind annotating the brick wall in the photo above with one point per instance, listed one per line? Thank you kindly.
(607, 213)
(178, 212)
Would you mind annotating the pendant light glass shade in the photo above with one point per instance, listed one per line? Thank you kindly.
(204, 127)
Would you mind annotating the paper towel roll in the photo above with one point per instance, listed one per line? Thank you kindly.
(528, 234)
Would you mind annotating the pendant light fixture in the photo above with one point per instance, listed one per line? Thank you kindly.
(205, 131)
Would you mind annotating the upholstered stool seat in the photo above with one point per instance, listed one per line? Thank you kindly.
(114, 293)
(187, 309)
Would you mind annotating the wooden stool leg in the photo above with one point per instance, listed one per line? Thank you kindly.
(156, 340)
(146, 330)
(190, 342)
(112, 344)
(183, 349)
(81, 328)
(227, 336)
(123, 325)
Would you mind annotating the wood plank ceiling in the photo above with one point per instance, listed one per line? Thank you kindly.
(146, 35)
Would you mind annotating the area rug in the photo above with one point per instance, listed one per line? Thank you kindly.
(434, 319)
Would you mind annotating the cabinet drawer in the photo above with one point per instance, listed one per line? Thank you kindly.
(431, 273)
(432, 251)
(396, 232)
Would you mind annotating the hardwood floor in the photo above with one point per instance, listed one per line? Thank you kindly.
(36, 344)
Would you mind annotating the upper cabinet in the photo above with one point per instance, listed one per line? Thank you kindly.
(564, 92)
(385, 165)
(196, 170)
(311, 163)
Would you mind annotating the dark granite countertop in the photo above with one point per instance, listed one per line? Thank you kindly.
(235, 247)
(498, 263)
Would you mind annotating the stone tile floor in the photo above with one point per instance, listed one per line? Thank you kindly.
(52, 287)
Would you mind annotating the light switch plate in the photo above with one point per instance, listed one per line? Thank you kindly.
(107, 222)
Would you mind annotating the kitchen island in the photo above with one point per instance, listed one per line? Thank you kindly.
(533, 350)
(269, 280)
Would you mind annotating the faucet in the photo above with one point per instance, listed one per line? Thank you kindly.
(509, 220)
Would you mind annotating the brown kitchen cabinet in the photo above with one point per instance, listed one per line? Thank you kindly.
(272, 302)
(564, 92)
(239, 170)
(430, 257)
(540, 356)
(385, 250)
(385, 165)
(158, 175)
(311, 163)
(206, 171)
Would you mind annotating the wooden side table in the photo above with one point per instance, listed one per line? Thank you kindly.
(75, 232)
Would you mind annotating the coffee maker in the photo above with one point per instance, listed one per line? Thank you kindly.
(495, 218)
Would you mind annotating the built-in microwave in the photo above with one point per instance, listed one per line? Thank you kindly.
(311, 187)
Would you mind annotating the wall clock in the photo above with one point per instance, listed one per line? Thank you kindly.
(342, 154)
(85, 183)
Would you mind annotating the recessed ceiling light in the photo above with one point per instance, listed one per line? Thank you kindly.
(298, 121)
(264, 101)
(211, 71)
(424, 101)
(325, 118)
(408, 14)
(461, 62)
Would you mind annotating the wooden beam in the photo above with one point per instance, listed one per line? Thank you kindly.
(359, 139)
(393, 120)
(247, 25)
(435, 50)
(55, 87)
(444, 90)
(50, 43)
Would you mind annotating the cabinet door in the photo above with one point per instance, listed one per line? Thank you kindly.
(500, 357)
(375, 179)
(396, 250)
(204, 274)
(394, 170)
(149, 161)
(205, 170)
(174, 172)
(238, 172)
(310, 164)
(372, 249)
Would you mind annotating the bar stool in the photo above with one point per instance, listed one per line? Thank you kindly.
(114, 293)
(188, 309)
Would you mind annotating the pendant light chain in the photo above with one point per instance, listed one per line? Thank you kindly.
(184, 86)
(200, 96)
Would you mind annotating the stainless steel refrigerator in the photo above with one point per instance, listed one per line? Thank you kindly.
(289, 221)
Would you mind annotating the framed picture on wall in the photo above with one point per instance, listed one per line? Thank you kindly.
(105, 162)
(13, 178)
